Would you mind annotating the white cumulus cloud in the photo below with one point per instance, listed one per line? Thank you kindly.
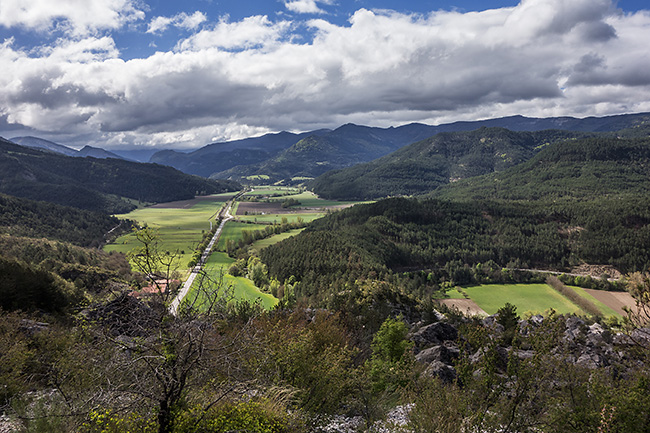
(539, 58)
(303, 7)
(251, 32)
(181, 20)
(76, 17)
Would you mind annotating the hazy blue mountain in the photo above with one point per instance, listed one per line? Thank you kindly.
(138, 155)
(218, 157)
(345, 146)
(522, 123)
(40, 143)
(96, 152)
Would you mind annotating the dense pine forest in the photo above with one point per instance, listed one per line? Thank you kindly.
(449, 240)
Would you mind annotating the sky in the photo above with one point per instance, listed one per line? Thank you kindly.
(124, 74)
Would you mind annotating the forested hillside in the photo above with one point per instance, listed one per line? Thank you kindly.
(587, 169)
(425, 165)
(36, 219)
(95, 184)
(450, 239)
(269, 155)
(217, 157)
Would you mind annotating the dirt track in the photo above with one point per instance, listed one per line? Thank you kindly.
(466, 306)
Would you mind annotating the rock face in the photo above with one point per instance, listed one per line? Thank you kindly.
(435, 345)
(434, 334)
(590, 345)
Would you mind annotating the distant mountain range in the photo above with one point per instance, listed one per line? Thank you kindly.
(318, 153)
(294, 158)
(218, 157)
(39, 143)
(106, 185)
(286, 156)
(451, 156)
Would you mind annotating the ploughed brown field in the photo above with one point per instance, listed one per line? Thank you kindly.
(614, 300)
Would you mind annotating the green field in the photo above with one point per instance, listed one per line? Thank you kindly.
(179, 229)
(261, 190)
(528, 298)
(217, 265)
(233, 230)
(263, 243)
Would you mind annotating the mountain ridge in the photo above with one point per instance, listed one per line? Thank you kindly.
(86, 151)
(95, 184)
(364, 143)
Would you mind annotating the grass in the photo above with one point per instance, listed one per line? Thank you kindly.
(217, 265)
(233, 230)
(179, 229)
(263, 243)
(528, 298)
(260, 190)
(454, 294)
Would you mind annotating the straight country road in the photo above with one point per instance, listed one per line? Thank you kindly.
(225, 216)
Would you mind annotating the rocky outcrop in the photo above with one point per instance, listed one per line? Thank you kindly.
(434, 334)
(590, 345)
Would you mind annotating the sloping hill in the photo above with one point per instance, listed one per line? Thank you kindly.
(446, 157)
(40, 143)
(97, 152)
(95, 184)
(586, 169)
(33, 219)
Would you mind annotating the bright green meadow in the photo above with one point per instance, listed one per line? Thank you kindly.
(178, 229)
(278, 218)
(263, 243)
(243, 288)
(528, 298)
(233, 231)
